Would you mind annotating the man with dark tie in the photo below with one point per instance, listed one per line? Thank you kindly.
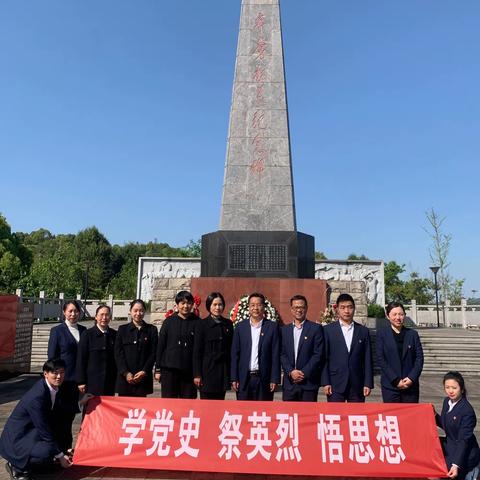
(348, 372)
(28, 438)
(301, 354)
(255, 365)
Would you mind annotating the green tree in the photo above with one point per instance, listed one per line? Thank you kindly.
(15, 259)
(125, 264)
(419, 289)
(393, 283)
(55, 268)
(193, 248)
(415, 288)
(320, 256)
(124, 282)
(94, 256)
(354, 256)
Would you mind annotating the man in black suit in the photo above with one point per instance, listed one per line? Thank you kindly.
(301, 354)
(255, 365)
(348, 372)
(28, 438)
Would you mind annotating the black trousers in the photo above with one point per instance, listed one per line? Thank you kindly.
(177, 384)
(410, 395)
(298, 394)
(212, 395)
(349, 395)
(64, 415)
(254, 390)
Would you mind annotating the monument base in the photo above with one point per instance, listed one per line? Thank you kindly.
(256, 254)
(277, 290)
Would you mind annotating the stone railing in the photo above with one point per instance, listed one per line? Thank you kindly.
(45, 308)
(462, 316)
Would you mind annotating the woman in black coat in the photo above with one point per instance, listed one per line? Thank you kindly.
(211, 357)
(458, 420)
(96, 368)
(400, 357)
(135, 348)
(174, 368)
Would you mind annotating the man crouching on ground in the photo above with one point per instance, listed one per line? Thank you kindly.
(27, 439)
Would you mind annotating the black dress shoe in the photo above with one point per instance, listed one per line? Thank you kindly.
(16, 474)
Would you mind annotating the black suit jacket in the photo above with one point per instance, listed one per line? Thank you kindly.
(309, 357)
(268, 354)
(29, 423)
(96, 366)
(135, 351)
(62, 344)
(175, 343)
(460, 447)
(343, 368)
(392, 367)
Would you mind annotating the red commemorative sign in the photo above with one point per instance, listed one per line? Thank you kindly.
(320, 439)
(8, 321)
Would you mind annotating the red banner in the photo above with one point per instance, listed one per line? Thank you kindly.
(8, 321)
(326, 439)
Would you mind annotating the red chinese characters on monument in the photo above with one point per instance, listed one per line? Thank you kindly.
(258, 122)
(252, 437)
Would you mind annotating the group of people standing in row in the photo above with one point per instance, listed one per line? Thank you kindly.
(188, 355)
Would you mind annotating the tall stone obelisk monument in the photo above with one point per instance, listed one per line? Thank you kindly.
(258, 233)
(258, 185)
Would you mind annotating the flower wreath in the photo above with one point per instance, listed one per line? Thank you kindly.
(239, 312)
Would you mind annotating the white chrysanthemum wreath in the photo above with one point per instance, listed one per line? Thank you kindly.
(239, 312)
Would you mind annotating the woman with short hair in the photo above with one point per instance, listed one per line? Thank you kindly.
(211, 351)
(400, 357)
(174, 367)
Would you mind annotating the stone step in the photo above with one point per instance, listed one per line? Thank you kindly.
(449, 349)
(471, 372)
(441, 354)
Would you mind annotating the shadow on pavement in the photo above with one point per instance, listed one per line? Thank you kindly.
(14, 388)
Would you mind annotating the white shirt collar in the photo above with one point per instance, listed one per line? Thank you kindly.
(452, 404)
(53, 392)
(300, 326)
(258, 325)
(347, 326)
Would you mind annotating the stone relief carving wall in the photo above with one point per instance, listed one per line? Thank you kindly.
(151, 269)
(370, 272)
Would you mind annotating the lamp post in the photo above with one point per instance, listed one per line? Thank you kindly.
(435, 271)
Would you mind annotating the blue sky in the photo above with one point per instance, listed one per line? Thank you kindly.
(115, 114)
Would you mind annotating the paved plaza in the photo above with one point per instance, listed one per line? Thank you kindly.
(12, 390)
